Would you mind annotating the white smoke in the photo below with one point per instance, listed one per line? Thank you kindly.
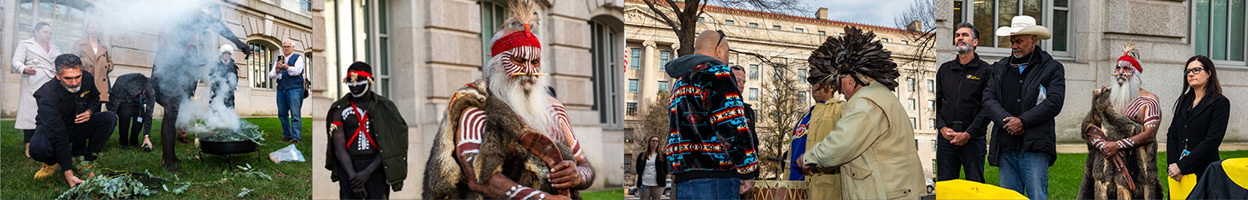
(154, 20)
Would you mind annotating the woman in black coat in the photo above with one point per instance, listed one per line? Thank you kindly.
(652, 161)
(1199, 121)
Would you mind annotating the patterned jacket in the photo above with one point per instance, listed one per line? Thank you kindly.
(709, 133)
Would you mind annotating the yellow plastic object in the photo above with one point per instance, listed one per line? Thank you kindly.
(1237, 170)
(1180, 189)
(964, 189)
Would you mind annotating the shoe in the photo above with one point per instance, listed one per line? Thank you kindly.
(46, 171)
(285, 139)
(184, 140)
(294, 141)
(125, 147)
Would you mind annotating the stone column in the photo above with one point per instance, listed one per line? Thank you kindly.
(649, 70)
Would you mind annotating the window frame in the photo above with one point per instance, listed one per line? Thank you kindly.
(634, 86)
(1221, 63)
(1047, 8)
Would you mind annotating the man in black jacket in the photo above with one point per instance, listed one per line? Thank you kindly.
(69, 123)
(959, 100)
(1022, 98)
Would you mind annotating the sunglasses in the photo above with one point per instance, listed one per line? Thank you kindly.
(721, 37)
(1193, 70)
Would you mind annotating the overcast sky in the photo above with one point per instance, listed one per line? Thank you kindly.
(873, 12)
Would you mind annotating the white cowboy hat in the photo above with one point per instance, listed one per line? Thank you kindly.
(1024, 25)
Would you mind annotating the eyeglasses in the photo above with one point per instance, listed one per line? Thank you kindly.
(722, 37)
(1193, 70)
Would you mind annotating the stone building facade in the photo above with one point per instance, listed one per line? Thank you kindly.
(422, 51)
(263, 24)
(1088, 37)
(787, 39)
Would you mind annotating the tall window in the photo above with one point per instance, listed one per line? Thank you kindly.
(931, 85)
(911, 103)
(306, 5)
(753, 71)
(913, 124)
(260, 62)
(989, 14)
(910, 84)
(634, 62)
(632, 86)
(801, 96)
(606, 50)
(753, 94)
(663, 86)
(931, 124)
(65, 16)
(632, 108)
(801, 74)
(931, 105)
(492, 16)
(664, 57)
(1218, 27)
(378, 40)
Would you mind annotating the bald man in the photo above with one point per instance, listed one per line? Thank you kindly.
(712, 154)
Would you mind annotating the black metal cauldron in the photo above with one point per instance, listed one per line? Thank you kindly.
(206, 145)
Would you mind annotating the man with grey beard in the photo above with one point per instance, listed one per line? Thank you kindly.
(959, 99)
(1137, 152)
(69, 123)
(505, 136)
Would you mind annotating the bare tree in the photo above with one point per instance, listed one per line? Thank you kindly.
(781, 108)
(654, 122)
(919, 21)
(682, 16)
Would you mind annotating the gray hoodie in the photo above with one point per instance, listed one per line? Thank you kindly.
(685, 64)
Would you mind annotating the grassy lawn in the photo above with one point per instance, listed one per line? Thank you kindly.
(604, 194)
(1065, 174)
(291, 180)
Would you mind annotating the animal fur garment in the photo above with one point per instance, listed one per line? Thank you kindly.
(501, 150)
(1102, 179)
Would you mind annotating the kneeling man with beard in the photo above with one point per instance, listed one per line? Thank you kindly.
(69, 123)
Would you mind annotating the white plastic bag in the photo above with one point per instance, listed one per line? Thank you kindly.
(290, 153)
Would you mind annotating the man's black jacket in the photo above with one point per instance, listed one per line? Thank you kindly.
(1037, 117)
(960, 95)
(57, 110)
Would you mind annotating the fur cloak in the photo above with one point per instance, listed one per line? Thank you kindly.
(500, 150)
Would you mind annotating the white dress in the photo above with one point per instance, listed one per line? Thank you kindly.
(30, 54)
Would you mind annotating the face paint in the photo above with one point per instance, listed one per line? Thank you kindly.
(358, 88)
(523, 60)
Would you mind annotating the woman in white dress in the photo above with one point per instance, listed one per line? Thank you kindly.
(33, 59)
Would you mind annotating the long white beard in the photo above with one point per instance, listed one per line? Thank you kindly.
(534, 106)
(1121, 95)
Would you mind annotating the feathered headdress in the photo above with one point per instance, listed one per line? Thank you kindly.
(1129, 54)
(858, 54)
